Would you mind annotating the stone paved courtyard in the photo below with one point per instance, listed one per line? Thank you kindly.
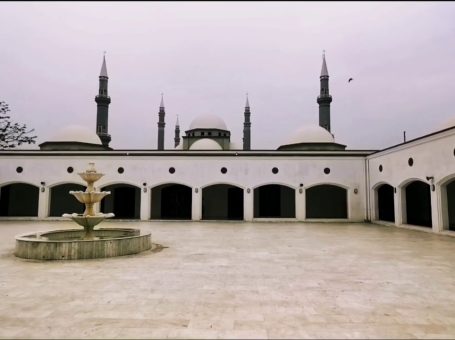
(237, 280)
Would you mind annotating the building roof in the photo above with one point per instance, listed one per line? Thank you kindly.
(103, 72)
(324, 71)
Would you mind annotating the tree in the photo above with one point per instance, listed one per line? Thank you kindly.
(12, 134)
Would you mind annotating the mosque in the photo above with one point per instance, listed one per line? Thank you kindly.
(208, 177)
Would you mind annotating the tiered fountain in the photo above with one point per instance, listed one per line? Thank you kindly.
(89, 243)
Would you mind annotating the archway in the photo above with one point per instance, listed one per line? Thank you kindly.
(222, 202)
(171, 201)
(450, 207)
(275, 201)
(19, 199)
(326, 201)
(124, 201)
(62, 202)
(385, 203)
(418, 204)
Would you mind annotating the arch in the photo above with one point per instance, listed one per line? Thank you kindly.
(222, 202)
(326, 201)
(124, 201)
(19, 199)
(223, 183)
(61, 201)
(171, 201)
(274, 200)
(447, 193)
(275, 183)
(340, 185)
(417, 203)
(385, 202)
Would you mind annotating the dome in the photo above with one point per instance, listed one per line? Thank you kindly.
(205, 144)
(208, 121)
(76, 133)
(310, 134)
(235, 146)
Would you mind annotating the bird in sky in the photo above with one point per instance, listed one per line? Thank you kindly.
(350, 79)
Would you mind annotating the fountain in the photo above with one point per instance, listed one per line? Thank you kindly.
(88, 243)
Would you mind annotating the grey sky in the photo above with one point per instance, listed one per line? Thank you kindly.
(206, 56)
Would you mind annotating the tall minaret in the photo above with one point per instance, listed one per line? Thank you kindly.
(324, 99)
(161, 125)
(177, 133)
(103, 100)
(247, 126)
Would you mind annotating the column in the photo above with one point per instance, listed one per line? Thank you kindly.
(248, 204)
(43, 202)
(196, 206)
(400, 207)
(146, 199)
(300, 202)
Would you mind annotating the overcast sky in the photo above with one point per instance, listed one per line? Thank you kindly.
(206, 56)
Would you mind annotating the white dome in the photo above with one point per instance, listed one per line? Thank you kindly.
(310, 134)
(205, 144)
(235, 146)
(76, 133)
(208, 121)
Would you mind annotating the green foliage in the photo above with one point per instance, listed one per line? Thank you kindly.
(12, 134)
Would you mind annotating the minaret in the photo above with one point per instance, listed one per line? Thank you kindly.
(324, 99)
(247, 126)
(177, 133)
(103, 100)
(161, 125)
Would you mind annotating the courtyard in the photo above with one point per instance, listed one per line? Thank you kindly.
(236, 280)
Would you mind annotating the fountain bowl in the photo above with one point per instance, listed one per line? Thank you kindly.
(69, 245)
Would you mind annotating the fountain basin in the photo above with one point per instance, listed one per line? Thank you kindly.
(69, 245)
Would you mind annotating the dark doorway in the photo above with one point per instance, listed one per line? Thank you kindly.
(172, 202)
(222, 202)
(274, 201)
(124, 201)
(62, 202)
(326, 201)
(418, 204)
(450, 188)
(19, 199)
(386, 207)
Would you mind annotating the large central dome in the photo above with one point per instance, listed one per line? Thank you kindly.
(208, 121)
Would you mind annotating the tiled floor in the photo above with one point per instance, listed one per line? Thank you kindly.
(237, 280)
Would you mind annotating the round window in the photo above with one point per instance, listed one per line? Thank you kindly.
(275, 170)
(410, 161)
(327, 171)
(171, 170)
(19, 169)
(120, 170)
(223, 170)
(70, 169)
(380, 168)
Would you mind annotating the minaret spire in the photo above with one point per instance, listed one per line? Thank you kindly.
(324, 99)
(103, 100)
(247, 126)
(177, 133)
(161, 124)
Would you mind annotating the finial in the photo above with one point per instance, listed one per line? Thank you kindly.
(104, 53)
(247, 104)
(103, 72)
(162, 100)
(323, 53)
(177, 123)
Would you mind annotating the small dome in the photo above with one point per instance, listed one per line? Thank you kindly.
(310, 134)
(208, 121)
(205, 144)
(75, 133)
(235, 146)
